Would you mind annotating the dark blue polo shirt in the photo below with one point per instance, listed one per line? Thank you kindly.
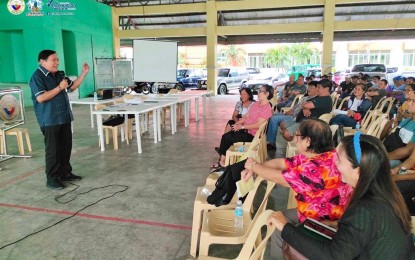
(55, 111)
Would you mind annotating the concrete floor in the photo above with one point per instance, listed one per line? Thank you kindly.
(151, 219)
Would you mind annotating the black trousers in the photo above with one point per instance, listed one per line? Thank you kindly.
(58, 148)
(232, 137)
(407, 189)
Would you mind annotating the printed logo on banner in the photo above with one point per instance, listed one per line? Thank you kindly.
(35, 8)
(61, 8)
(16, 7)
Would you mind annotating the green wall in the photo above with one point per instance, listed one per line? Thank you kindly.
(78, 36)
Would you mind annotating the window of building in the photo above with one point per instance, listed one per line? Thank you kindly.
(315, 59)
(409, 58)
(221, 57)
(372, 56)
(382, 57)
(357, 57)
(256, 60)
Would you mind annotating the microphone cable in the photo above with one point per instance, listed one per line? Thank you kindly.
(124, 188)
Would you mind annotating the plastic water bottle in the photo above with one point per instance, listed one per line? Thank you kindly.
(95, 96)
(357, 127)
(394, 118)
(239, 218)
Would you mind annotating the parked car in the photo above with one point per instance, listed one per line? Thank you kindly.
(339, 76)
(396, 71)
(253, 72)
(370, 69)
(262, 79)
(314, 71)
(228, 78)
(186, 78)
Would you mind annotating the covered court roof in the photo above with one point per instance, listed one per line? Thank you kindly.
(353, 20)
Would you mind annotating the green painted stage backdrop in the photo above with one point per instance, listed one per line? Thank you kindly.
(79, 30)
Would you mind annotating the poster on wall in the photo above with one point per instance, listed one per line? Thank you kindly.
(104, 73)
(122, 73)
(41, 7)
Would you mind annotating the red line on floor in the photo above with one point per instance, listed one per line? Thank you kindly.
(23, 176)
(115, 219)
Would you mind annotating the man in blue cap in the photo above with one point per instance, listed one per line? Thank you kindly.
(396, 90)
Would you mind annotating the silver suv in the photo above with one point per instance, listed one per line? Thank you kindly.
(228, 78)
(370, 69)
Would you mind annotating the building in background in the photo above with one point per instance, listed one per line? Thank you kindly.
(392, 53)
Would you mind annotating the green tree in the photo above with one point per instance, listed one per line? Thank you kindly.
(286, 56)
(302, 53)
(278, 57)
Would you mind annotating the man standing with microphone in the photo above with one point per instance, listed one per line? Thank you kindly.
(51, 103)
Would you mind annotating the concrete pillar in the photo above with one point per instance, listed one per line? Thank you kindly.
(116, 37)
(342, 56)
(328, 36)
(396, 54)
(211, 43)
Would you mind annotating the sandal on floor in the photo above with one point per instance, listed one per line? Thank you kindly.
(214, 166)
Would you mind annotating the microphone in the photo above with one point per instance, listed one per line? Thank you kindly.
(62, 74)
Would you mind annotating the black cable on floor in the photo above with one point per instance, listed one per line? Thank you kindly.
(87, 206)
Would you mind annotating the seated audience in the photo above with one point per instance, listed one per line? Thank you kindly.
(246, 127)
(288, 85)
(313, 108)
(299, 88)
(346, 87)
(312, 174)
(333, 83)
(241, 108)
(402, 112)
(397, 89)
(357, 107)
(375, 81)
(376, 223)
(410, 80)
(376, 94)
(408, 152)
(402, 139)
(365, 80)
(290, 115)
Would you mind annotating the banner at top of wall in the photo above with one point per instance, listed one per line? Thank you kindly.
(41, 7)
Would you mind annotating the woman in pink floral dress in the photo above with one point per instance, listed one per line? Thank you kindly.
(312, 174)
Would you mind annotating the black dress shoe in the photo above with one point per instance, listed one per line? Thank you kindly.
(56, 185)
(71, 177)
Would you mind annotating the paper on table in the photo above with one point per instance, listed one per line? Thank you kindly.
(132, 101)
(243, 187)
